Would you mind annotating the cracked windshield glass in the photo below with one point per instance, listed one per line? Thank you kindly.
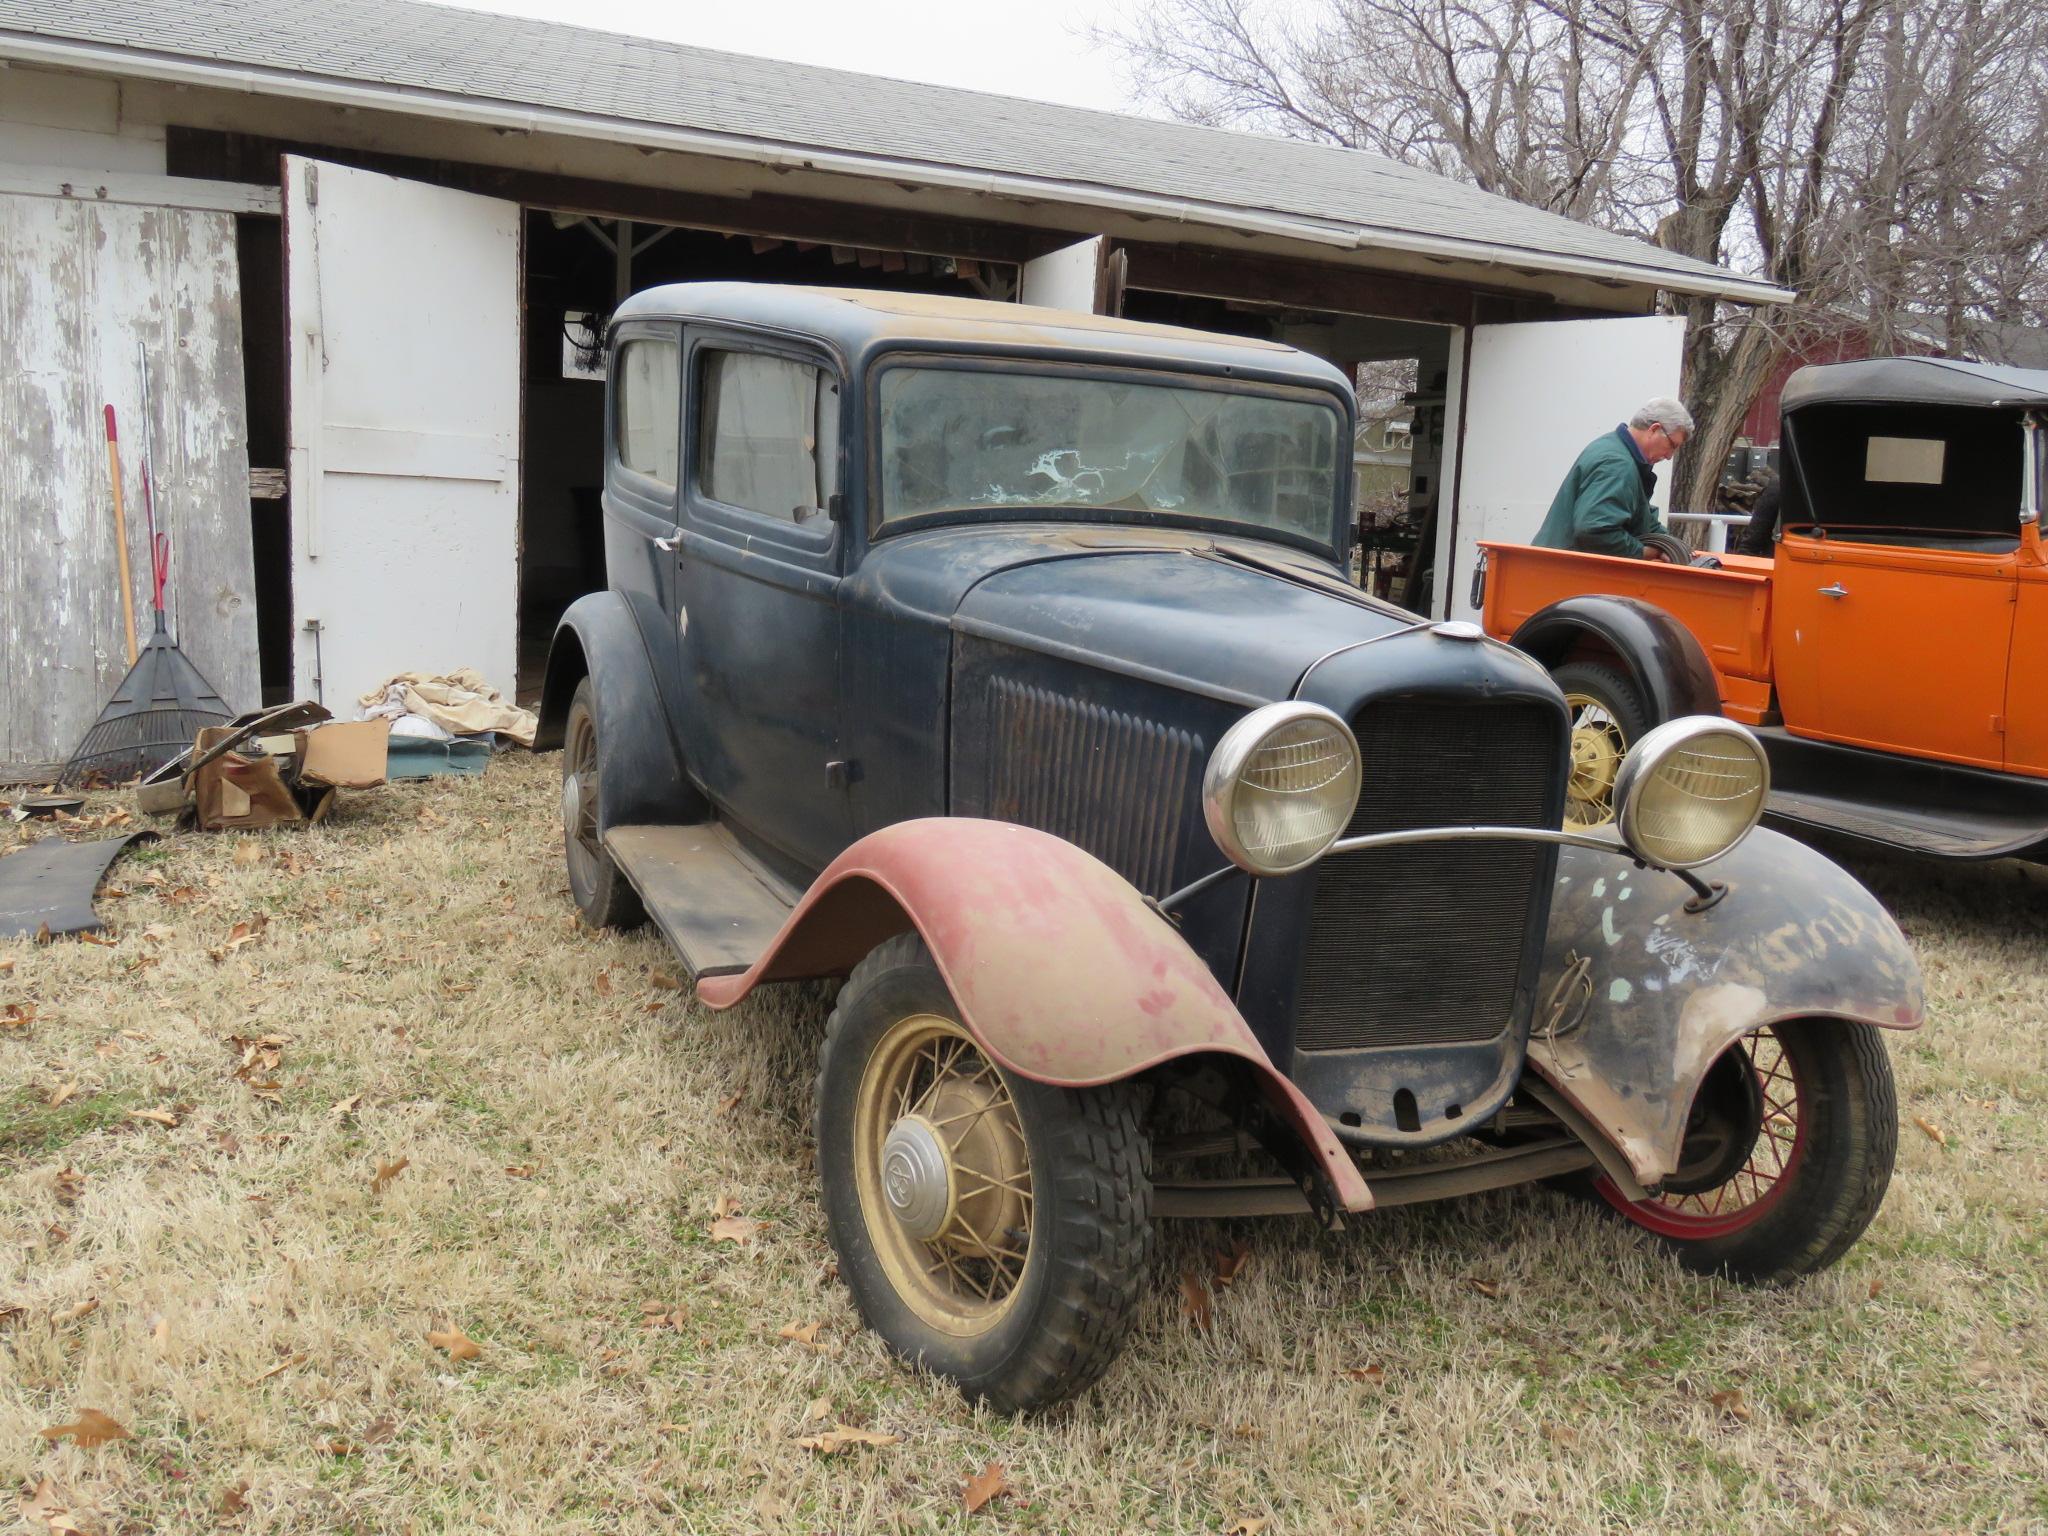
(954, 439)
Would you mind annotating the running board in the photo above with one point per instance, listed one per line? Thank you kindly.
(1940, 810)
(717, 908)
(1499, 1168)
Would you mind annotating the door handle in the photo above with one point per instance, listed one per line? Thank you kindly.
(1837, 590)
(671, 544)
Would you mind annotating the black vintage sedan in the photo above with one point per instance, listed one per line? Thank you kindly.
(1001, 662)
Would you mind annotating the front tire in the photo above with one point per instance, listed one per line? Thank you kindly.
(1788, 1152)
(1609, 715)
(602, 892)
(992, 1229)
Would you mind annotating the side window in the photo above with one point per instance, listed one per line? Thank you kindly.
(647, 380)
(768, 434)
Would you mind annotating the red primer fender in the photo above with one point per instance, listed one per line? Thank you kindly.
(1060, 970)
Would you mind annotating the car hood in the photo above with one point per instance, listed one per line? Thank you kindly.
(1233, 619)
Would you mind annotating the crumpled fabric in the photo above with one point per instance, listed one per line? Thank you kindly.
(460, 702)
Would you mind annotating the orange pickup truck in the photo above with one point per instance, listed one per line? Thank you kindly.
(1892, 654)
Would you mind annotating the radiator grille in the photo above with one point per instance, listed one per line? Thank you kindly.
(1424, 945)
(1111, 782)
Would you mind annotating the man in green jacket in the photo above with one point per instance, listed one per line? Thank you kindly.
(1603, 507)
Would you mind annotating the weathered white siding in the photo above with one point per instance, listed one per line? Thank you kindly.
(80, 285)
(74, 122)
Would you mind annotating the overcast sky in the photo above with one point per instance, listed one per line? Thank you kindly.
(1035, 50)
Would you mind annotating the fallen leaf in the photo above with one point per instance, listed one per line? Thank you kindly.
(1195, 1303)
(1373, 1374)
(69, 1184)
(1875, 1287)
(604, 983)
(276, 1370)
(156, 933)
(840, 1436)
(91, 936)
(248, 853)
(734, 1229)
(379, 1431)
(161, 1117)
(460, 1346)
(1484, 1287)
(728, 1105)
(339, 1447)
(61, 1093)
(386, 1172)
(1230, 1265)
(17, 1015)
(6, 967)
(42, 933)
(76, 1310)
(523, 1170)
(1561, 1434)
(984, 1485)
(345, 1107)
(802, 1333)
(1934, 1132)
(725, 1205)
(663, 981)
(228, 1142)
(106, 1050)
(1732, 1403)
(235, 1500)
(93, 1429)
(1250, 1525)
(161, 1333)
(817, 1410)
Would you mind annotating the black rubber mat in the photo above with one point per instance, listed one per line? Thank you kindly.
(51, 883)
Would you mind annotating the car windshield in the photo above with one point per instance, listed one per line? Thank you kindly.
(956, 439)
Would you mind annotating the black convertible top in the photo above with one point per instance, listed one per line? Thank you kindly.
(1915, 381)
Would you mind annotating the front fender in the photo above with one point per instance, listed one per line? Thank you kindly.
(1795, 937)
(1662, 657)
(1060, 970)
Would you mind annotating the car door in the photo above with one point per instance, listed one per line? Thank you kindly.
(1906, 647)
(758, 581)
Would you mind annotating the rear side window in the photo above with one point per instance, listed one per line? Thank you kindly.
(768, 430)
(647, 378)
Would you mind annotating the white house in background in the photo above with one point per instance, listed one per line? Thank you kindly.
(357, 244)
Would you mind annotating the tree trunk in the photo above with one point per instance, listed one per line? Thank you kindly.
(1721, 402)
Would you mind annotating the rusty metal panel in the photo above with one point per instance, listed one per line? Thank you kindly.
(82, 286)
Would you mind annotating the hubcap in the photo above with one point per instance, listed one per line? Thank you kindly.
(943, 1174)
(572, 800)
(917, 1176)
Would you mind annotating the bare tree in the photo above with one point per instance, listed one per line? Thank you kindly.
(1878, 157)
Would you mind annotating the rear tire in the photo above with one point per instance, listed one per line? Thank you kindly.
(1609, 715)
(1815, 1100)
(992, 1229)
(602, 892)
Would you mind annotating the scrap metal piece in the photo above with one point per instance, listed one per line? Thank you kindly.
(50, 884)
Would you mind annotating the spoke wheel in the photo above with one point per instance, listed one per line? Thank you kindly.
(1607, 717)
(601, 891)
(944, 1174)
(1597, 750)
(1787, 1154)
(990, 1228)
(1742, 1147)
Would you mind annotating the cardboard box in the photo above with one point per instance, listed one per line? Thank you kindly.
(344, 754)
(238, 791)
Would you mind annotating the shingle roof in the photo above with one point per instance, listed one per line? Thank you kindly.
(445, 58)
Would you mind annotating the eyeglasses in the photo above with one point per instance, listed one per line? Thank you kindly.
(1677, 440)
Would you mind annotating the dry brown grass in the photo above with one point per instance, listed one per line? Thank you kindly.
(262, 1309)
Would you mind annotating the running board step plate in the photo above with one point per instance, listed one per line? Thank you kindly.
(717, 910)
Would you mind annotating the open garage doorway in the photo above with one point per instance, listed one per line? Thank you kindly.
(576, 271)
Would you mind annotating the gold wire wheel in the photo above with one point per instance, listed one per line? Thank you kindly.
(943, 1175)
(1598, 747)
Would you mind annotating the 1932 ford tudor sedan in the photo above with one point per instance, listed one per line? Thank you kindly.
(998, 661)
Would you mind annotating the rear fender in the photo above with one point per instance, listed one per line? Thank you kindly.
(1795, 937)
(1660, 655)
(1060, 970)
(641, 778)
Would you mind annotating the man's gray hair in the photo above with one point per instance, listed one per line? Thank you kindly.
(1661, 412)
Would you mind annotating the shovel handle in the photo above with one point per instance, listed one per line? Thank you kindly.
(121, 535)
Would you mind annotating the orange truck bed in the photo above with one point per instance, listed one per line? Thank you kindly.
(1728, 611)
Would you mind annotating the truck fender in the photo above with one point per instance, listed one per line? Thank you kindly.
(1641, 996)
(641, 775)
(1660, 655)
(1060, 970)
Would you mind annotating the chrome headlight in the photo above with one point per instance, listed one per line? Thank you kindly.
(1690, 790)
(1281, 787)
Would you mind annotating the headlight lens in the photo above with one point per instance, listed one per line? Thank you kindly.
(1690, 790)
(1281, 787)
